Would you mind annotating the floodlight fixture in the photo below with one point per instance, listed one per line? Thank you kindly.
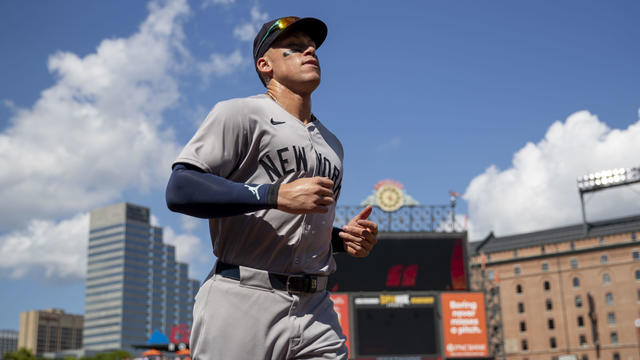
(602, 180)
(608, 178)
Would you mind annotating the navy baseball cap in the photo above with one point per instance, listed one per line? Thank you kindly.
(271, 31)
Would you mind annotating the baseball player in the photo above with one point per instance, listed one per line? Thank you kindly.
(267, 174)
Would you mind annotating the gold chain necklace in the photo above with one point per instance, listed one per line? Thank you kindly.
(273, 98)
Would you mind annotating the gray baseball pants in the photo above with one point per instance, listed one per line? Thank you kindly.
(248, 319)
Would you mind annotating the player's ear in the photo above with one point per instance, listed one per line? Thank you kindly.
(264, 66)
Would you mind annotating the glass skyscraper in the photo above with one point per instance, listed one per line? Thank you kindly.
(8, 342)
(134, 284)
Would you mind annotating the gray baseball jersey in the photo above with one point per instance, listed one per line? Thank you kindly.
(254, 140)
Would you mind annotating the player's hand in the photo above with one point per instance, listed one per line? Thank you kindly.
(360, 235)
(306, 195)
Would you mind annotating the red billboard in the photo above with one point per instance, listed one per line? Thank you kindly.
(341, 306)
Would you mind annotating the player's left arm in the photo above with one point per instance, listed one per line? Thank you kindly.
(360, 235)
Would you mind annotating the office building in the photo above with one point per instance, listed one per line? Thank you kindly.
(50, 330)
(8, 342)
(552, 283)
(134, 284)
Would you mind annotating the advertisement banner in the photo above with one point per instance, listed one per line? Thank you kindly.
(341, 307)
(464, 325)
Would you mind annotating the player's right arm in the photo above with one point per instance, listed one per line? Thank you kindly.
(194, 192)
(199, 184)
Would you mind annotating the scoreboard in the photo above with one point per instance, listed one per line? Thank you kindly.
(410, 299)
(395, 325)
(413, 325)
(405, 261)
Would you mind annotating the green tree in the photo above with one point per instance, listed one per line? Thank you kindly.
(113, 355)
(21, 354)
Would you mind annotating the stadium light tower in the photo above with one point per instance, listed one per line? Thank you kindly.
(602, 180)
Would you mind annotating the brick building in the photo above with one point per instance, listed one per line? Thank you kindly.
(544, 280)
(50, 330)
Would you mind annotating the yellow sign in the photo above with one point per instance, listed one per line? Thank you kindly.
(422, 300)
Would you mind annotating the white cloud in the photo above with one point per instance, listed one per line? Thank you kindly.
(98, 130)
(391, 144)
(221, 64)
(189, 249)
(247, 31)
(189, 223)
(207, 3)
(539, 190)
(54, 251)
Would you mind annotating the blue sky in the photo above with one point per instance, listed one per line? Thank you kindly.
(505, 102)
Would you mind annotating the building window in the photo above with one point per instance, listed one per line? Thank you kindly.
(612, 318)
(638, 294)
(547, 285)
(576, 282)
(516, 270)
(545, 266)
(573, 245)
(549, 304)
(523, 326)
(491, 275)
(616, 356)
(583, 340)
(574, 263)
(525, 345)
(580, 321)
(542, 250)
(601, 240)
(515, 253)
(521, 308)
(551, 324)
(552, 342)
(578, 301)
(519, 289)
(636, 255)
(633, 236)
(606, 279)
(584, 357)
(614, 337)
(608, 298)
(637, 274)
(604, 259)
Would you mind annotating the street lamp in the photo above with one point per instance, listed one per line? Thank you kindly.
(602, 180)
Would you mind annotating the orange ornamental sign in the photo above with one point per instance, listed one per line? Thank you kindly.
(341, 306)
(464, 323)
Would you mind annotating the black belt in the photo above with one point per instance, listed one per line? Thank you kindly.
(289, 283)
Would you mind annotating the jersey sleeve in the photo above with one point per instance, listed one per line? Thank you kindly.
(221, 142)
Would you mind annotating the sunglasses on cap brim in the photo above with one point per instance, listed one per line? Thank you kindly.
(279, 25)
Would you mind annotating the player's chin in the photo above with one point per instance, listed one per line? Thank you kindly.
(312, 74)
(312, 80)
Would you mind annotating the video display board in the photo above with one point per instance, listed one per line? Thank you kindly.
(405, 261)
(395, 325)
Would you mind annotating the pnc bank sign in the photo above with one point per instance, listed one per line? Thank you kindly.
(464, 323)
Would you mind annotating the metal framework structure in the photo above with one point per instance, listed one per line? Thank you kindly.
(603, 180)
(481, 282)
(413, 218)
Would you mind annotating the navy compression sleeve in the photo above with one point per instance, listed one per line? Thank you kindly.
(193, 192)
(337, 243)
